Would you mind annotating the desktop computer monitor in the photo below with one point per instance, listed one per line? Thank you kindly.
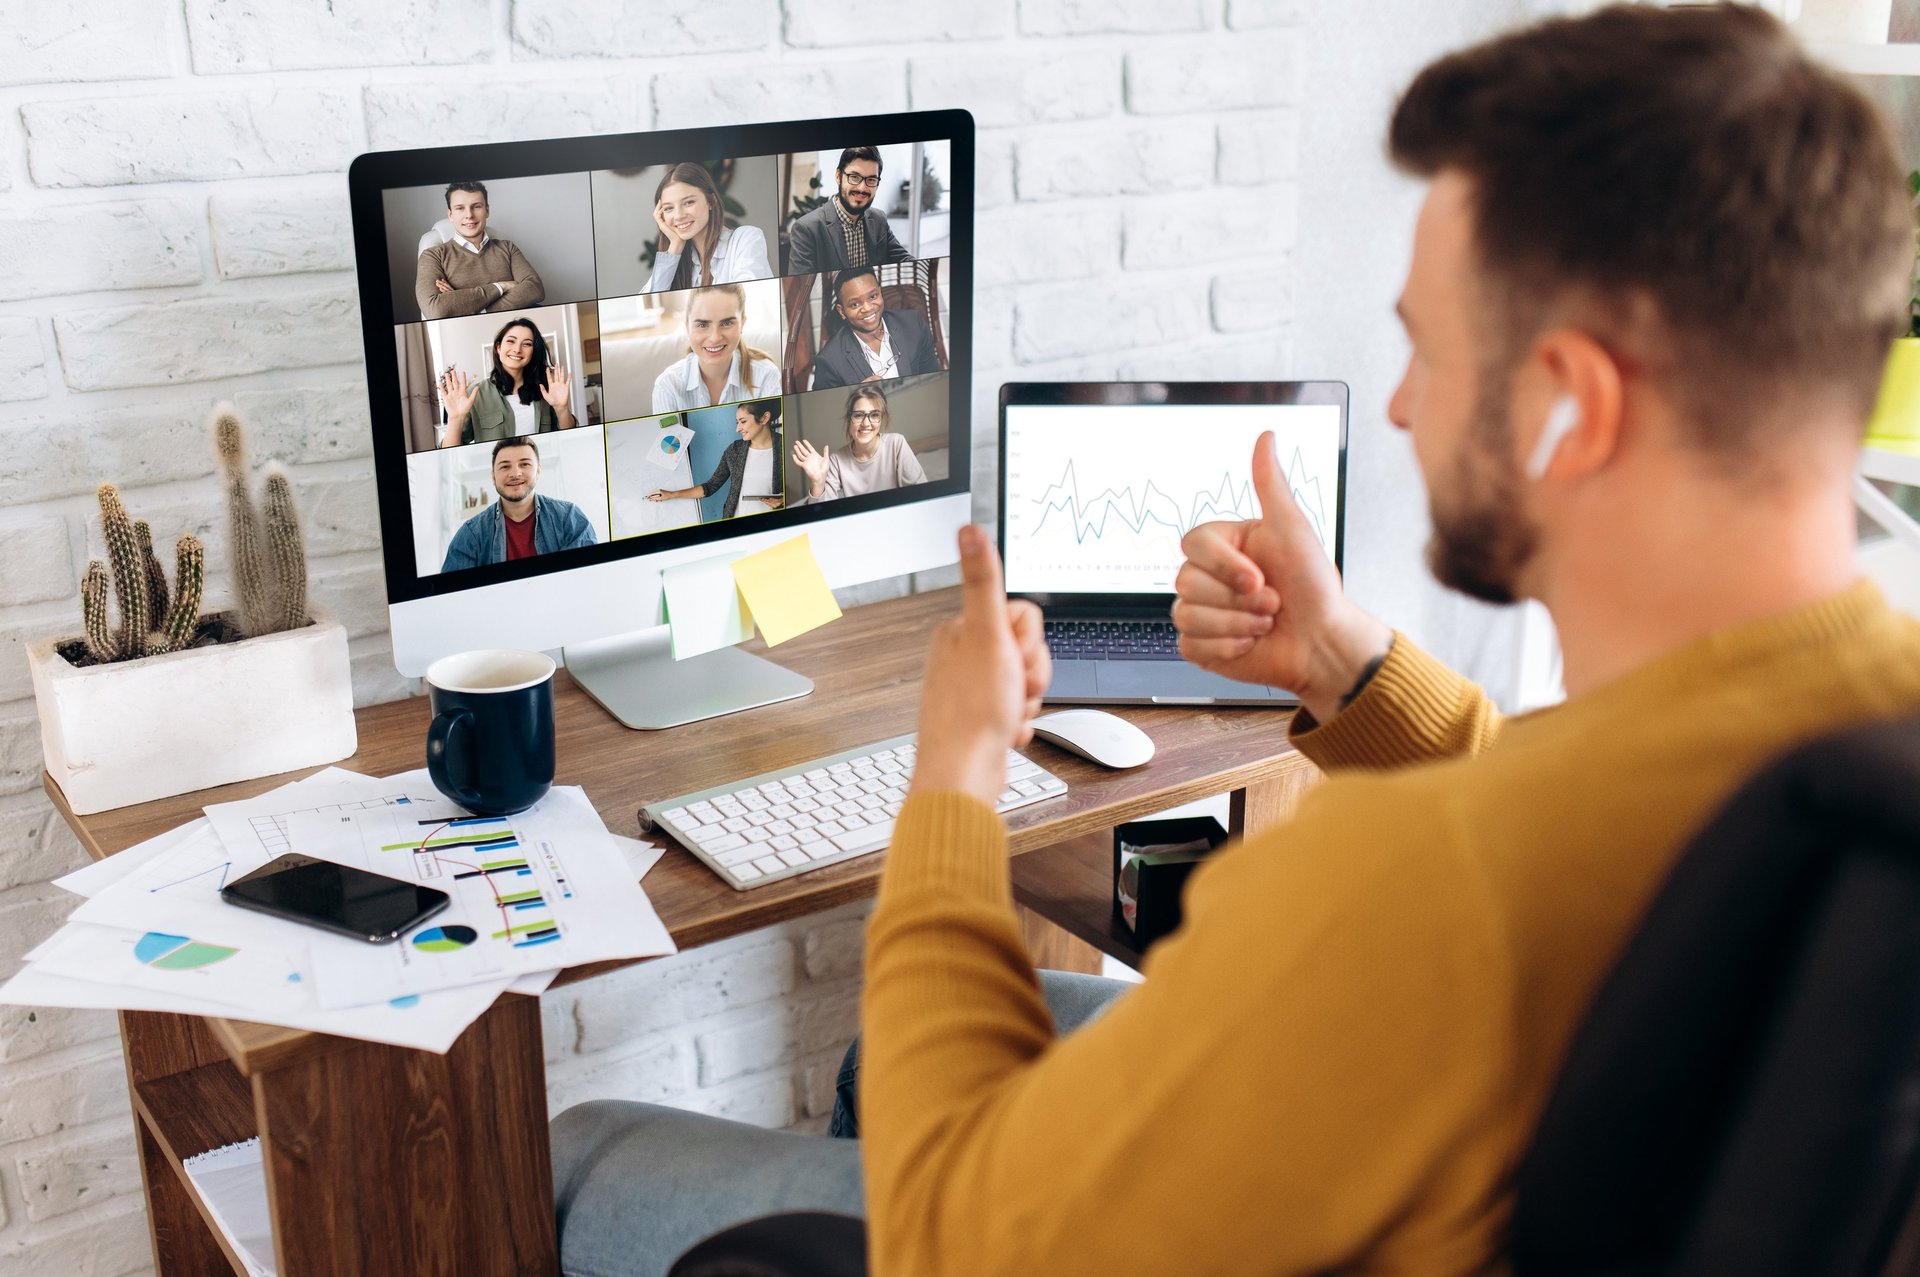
(591, 359)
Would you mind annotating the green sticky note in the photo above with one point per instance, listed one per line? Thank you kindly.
(704, 606)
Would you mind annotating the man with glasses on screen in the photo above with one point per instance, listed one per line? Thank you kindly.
(847, 230)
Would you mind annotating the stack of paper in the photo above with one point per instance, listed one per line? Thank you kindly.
(531, 893)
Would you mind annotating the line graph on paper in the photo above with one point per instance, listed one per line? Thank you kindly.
(1098, 497)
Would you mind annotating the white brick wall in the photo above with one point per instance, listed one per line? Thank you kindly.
(173, 232)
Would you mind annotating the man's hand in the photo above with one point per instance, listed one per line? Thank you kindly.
(1260, 601)
(985, 674)
(442, 286)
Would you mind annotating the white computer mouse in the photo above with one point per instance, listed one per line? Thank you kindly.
(1105, 738)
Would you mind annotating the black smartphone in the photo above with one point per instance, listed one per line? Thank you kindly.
(338, 898)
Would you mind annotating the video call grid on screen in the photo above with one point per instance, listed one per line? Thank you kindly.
(622, 408)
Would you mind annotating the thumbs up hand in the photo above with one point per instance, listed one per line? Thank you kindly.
(1258, 600)
(986, 671)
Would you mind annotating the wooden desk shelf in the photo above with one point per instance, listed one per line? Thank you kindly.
(361, 1141)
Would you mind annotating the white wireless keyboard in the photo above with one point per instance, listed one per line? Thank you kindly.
(756, 831)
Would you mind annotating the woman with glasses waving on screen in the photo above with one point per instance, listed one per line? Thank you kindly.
(876, 459)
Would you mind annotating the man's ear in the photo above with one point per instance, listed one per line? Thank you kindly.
(1569, 365)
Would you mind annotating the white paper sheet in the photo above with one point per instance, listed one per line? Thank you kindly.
(640, 856)
(430, 1022)
(91, 880)
(233, 1185)
(538, 891)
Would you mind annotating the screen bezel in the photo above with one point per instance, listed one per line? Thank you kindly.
(373, 173)
(1156, 394)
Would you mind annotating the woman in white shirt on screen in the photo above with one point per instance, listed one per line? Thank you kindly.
(719, 366)
(696, 244)
(876, 459)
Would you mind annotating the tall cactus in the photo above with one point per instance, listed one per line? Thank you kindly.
(101, 645)
(251, 579)
(137, 582)
(286, 549)
(129, 569)
(190, 574)
(156, 577)
(268, 552)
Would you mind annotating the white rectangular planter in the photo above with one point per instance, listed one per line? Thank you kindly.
(133, 731)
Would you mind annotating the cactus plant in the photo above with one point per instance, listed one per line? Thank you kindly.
(157, 597)
(149, 624)
(268, 552)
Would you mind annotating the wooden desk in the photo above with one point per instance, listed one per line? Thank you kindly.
(382, 1160)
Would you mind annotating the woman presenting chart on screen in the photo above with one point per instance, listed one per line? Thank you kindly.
(750, 467)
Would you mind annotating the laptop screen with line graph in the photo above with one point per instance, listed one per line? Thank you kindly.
(1100, 482)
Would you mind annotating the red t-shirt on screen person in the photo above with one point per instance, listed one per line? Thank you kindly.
(519, 536)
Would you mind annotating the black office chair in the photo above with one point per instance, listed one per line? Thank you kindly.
(1744, 1096)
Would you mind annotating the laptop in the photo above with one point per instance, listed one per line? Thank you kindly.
(1099, 482)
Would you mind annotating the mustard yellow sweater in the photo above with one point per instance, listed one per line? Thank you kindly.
(1336, 1063)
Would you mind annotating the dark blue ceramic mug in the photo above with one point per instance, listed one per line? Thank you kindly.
(490, 747)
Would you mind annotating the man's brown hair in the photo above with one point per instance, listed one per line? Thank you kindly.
(1707, 200)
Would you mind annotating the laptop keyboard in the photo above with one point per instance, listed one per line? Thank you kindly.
(1113, 640)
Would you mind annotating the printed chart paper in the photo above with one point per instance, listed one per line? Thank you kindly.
(430, 1022)
(540, 890)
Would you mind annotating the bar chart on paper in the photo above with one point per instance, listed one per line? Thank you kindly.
(1098, 496)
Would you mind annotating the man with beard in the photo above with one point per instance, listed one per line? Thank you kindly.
(1660, 258)
(847, 230)
(877, 344)
(521, 523)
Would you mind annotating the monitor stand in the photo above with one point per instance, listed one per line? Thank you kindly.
(636, 679)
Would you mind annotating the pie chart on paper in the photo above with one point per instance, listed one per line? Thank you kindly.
(450, 939)
(166, 952)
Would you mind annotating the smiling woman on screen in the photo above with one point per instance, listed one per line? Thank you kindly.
(875, 459)
(526, 393)
(696, 244)
(712, 372)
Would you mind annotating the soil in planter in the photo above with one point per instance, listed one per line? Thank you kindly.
(214, 628)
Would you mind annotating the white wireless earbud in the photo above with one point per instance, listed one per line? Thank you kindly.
(1562, 420)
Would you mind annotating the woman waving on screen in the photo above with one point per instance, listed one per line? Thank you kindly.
(526, 393)
(875, 459)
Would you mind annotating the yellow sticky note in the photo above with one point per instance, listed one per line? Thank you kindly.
(704, 606)
(786, 590)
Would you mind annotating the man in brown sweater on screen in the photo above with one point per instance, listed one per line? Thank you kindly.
(1661, 256)
(473, 271)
